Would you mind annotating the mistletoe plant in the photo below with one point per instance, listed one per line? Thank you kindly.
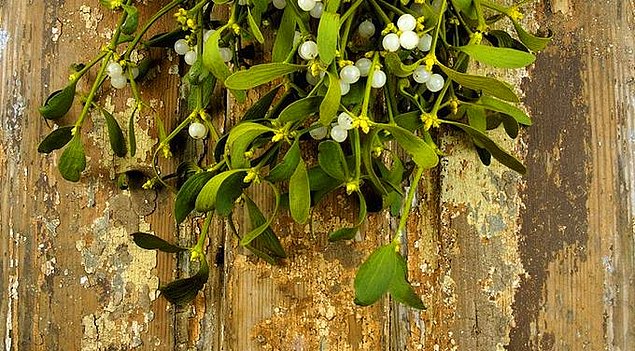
(350, 83)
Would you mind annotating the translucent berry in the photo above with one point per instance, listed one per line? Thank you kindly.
(425, 42)
(207, 34)
(408, 40)
(279, 4)
(190, 57)
(308, 50)
(181, 46)
(366, 29)
(435, 83)
(114, 69)
(344, 88)
(226, 53)
(406, 22)
(197, 130)
(364, 66)
(350, 74)
(135, 72)
(391, 42)
(339, 134)
(306, 5)
(118, 82)
(317, 10)
(379, 79)
(318, 133)
(421, 75)
(311, 79)
(345, 121)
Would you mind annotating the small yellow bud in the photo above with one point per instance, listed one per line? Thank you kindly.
(352, 186)
(430, 120)
(253, 175)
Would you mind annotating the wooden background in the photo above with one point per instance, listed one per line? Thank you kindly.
(541, 262)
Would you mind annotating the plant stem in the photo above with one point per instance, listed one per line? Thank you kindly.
(201, 239)
(147, 26)
(407, 206)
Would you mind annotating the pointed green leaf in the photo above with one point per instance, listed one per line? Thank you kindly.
(57, 139)
(240, 138)
(132, 138)
(533, 43)
(375, 275)
(331, 102)
(153, 242)
(398, 68)
(260, 74)
(182, 291)
(487, 85)
(132, 20)
(300, 109)
(331, 159)
(254, 27)
(343, 234)
(500, 106)
(284, 169)
(256, 232)
(498, 57)
(300, 194)
(115, 135)
(283, 43)
(73, 160)
(259, 109)
(328, 33)
(501, 155)
(266, 245)
(59, 102)
(214, 62)
(466, 6)
(186, 197)
(208, 198)
(422, 154)
(400, 289)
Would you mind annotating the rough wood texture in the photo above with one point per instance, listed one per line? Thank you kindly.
(542, 262)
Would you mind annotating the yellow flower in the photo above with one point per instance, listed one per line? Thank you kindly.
(430, 120)
(362, 122)
(352, 186)
(253, 175)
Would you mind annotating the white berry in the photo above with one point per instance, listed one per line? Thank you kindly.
(118, 82)
(345, 121)
(308, 50)
(421, 75)
(339, 134)
(366, 29)
(114, 69)
(318, 133)
(279, 4)
(311, 79)
(197, 130)
(350, 74)
(306, 5)
(391, 42)
(408, 40)
(135, 72)
(344, 88)
(435, 83)
(316, 11)
(226, 53)
(181, 46)
(406, 22)
(425, 42)
(207, 34)
(364, 66)
(190, 57)
(379, 79)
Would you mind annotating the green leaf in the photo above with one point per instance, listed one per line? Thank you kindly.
(260, 74)
(331, 159)
(422, 154)
(132, 20)
(283, 43)
(73, 160)
(266, 245)
(400, 289)
(259, 109)
(467, 7)
(57, 139)
(498, 57)
(220, 192)
(328, 32)
(283, 170)
(375, 275)
(300, 109)
(59, 102)
(501, 155)
(153, 242)
(254, 27)
(300, 194)
(533, 43)
(132, 138)
(115, 135)
(487, 85)
(256, 232)
(331, 102)
(500, 106)
(398, 68)
(476, 117)
(240, 138)
(213, 61)
(186, 197)
(343, 234)
(332, 5)
(182, 291)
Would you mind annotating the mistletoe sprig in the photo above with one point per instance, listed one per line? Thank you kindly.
(350, 83)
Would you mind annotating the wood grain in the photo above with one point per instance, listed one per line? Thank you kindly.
(541, 262)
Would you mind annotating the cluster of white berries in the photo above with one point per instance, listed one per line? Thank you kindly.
(408, 39)
(118, 79)
(189, 53)
(197, 130)
(433, 81)
(313, 7)
(339, 130)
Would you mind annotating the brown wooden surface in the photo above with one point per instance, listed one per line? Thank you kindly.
(541, 262)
